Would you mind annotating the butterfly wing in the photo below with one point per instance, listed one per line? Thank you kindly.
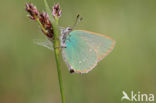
(102, 44)
(78, 55)
(85, 49)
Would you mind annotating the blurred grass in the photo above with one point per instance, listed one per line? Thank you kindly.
(28, 73)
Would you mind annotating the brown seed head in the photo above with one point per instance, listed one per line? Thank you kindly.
(45, 21)
(32, 10)
(56, 11)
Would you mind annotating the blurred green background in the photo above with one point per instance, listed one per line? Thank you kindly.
(28, 71)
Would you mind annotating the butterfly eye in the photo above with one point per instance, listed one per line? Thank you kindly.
(69, 29)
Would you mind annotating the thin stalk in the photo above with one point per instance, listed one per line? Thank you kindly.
(57, 53)
(56, 46)
(59, 75)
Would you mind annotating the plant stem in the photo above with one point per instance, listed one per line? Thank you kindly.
(57, 53)
(59, 74)
(56, 46)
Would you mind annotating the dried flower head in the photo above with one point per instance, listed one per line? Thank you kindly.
(42, 18)
(56, 11)
(32, 10)
(45, 21)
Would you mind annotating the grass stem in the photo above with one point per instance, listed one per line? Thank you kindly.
(56, 43)
(57, 53)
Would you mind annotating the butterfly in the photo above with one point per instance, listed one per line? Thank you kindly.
(82, 50)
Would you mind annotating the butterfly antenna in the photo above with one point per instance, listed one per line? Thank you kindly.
(78, 19)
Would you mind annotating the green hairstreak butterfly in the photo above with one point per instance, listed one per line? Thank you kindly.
(84, 49)
(81, 49)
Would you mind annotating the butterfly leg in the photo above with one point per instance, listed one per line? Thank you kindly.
(61, 47)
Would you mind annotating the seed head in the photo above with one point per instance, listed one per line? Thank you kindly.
(32, 10)
(56, 11)
(45, 21)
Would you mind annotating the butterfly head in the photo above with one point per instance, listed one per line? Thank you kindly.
(67, 30)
